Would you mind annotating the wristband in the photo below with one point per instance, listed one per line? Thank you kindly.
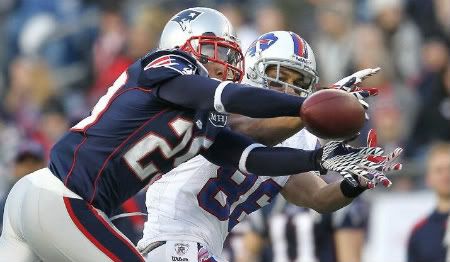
(348, 190)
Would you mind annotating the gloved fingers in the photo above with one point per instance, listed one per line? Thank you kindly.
(371, 152)
(393, 167)
(372, 138)
(387, 160)
(394, 155)
(363, 74)
(364, 104)
(381, 178)
(361, 94)
(366, 182)
(371, 90)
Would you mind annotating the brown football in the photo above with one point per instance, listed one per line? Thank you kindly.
(332, 114)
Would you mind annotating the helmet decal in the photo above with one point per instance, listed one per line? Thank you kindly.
(300, 48)
(262, 43)
(185, 18)
(208, 36)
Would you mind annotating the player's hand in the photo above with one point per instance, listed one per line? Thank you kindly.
(347, 160)
(373, 172)
(347, 85)
(379, 165)
(351, 84)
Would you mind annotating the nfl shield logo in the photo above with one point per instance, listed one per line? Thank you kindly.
(181, 248)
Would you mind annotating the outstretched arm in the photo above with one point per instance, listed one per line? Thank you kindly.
(198, 92)
(309, 190)
(238, 151)
(267, 131)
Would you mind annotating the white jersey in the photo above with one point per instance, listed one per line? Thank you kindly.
(201, 202)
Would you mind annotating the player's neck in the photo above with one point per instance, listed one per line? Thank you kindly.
(443, 205)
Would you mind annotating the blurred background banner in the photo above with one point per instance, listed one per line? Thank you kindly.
(392, 217)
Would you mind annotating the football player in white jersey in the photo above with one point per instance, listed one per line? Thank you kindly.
(192, 209)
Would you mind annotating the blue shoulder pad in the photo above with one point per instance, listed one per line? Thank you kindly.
(162, 65)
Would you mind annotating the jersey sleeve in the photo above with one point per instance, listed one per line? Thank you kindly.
(163, 65)
(231, 149)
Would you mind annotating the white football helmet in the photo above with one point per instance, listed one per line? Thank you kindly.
(281, 49)
(209, 36)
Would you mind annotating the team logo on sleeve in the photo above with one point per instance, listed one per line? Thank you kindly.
(185, 18)
(217, 119)
(262, 43)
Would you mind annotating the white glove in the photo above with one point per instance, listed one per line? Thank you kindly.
(359, 77)
(351, 84)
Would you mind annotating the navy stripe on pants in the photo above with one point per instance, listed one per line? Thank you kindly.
(100, 232)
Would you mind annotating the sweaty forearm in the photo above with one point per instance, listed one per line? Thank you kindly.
(310, 190)
(330, 198)
(267, 131)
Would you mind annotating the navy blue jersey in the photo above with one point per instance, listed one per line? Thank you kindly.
(132, 135)
(426, 243)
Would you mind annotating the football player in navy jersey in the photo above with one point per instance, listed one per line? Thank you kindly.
(162, 111)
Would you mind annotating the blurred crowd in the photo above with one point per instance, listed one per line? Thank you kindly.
(58, 57)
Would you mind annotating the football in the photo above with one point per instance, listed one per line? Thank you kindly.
(332, 114)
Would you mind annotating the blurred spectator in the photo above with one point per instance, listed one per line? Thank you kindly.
(401, 38)
(53, 124)
(435, 55)
(245, 31)
(447, 240)
(426, 242)
(146, 26)
(334, 41)
(109, 57)
(395, 106)
(266, 18)
(30, 158)
(10, 138)
(432, 17)
(433, 120)
(31, 84)
(269, 18)
(59, 31)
